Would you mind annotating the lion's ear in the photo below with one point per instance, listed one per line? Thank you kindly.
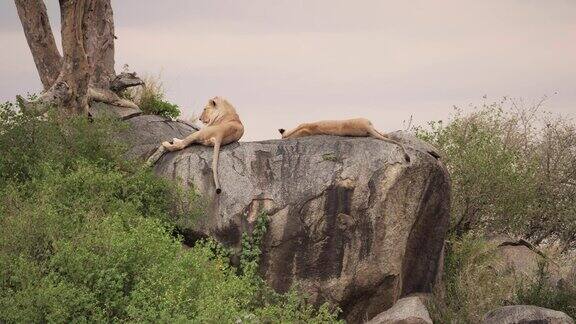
(213, 102)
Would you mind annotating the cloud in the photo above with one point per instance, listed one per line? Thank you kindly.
(292, 60)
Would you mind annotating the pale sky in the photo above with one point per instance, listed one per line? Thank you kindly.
(283, 62)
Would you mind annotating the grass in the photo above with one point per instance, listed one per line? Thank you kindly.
(151, 98)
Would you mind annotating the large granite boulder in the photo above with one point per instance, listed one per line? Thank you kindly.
(521, 314)
(351, 222)
(407, 310)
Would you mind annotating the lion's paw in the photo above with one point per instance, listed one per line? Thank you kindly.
(168, 145)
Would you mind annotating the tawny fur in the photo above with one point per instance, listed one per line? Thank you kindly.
(223, 126)
(360, 127)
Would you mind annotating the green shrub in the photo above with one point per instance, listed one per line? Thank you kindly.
(250, 256)
(150, 98)
(512, 171)
(493, 186)
(87, 237)
(156, 105)
(28, 144)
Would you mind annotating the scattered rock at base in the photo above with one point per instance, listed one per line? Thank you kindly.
(408, 310)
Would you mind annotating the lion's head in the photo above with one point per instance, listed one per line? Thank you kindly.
(215, 110)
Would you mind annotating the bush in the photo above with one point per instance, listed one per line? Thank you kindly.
(475, 282)
(512, 171)
(150, 99)
(28, 144)
(87, 237)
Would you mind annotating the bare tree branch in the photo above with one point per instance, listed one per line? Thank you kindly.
(99, 43)
(36, 25)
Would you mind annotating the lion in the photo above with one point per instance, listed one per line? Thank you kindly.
(223, 126)
(358, 127)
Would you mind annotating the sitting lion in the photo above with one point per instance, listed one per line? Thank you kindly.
(360, 127)
(223, 126)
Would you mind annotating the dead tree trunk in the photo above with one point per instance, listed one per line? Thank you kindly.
(40, 39)
(75, 71)
(86, 71)
(99, 43)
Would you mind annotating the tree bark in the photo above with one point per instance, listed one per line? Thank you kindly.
(75, 71)
(40, 40)
(99, 43)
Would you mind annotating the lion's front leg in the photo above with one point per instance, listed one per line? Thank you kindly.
(180, 144)
(175, 145)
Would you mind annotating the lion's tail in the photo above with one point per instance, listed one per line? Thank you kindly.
(375, 133)
(215, 157)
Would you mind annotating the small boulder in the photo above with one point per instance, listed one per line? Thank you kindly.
(524, 259)
(526, 314)
(408, 310)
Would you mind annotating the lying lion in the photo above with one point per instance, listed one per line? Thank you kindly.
(360, 127)
(223, 126)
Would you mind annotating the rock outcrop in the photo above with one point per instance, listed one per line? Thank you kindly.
(518, 314)
(407, 310)
(350, 221)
